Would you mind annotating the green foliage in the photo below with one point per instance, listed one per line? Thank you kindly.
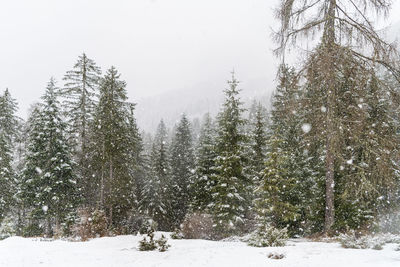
(177, 234)
(275, 202)
(7, 227)
(162, 244)
(49, 187)
(79, 94)
(356, 240)
(182, 168)
(268, 236)
(229, 203)
(156, 202)
(113, 146)
(205, 166)
(148, 242)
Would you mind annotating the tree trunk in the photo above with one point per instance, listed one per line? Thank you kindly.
(329, 44)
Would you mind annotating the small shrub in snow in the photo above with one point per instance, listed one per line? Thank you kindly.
(276, 255)
(7, 228)
(148, 242)
(177, 234)
(162, 244)
(268, 236)
(353, 240)
(198, 226)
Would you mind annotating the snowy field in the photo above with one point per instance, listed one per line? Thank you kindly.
(122, 251)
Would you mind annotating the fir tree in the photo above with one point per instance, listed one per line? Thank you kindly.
(275, 204)
(49, 186)
(258, 141)
(81, 86)
(8, 133)
(229, 197)
(182, 169)
(291, 124)
(205, 156)
(8, 119)
(155, 201)
(110, 148)
(7, 176)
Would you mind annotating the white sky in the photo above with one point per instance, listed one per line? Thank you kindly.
(157, 45)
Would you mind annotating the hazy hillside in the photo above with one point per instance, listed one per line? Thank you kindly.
(195, 102)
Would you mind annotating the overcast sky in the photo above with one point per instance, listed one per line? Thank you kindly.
(157, 45)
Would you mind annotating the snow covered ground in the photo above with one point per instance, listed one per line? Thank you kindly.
(122, 251)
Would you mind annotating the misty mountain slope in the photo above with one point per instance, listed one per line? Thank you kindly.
(195, 102)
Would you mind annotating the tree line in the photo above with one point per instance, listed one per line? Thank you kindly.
(324, 158)
(81, 148)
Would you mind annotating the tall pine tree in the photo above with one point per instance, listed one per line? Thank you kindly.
(81, 87)
(49, 184)
(110, 148)
(182, 169)
(230, 203)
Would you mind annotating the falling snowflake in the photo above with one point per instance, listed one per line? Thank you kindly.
(306, 127)
(38, 170)
(45, 208)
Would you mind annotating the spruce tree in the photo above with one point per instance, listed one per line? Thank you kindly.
(258, 141)
(110, 148)
(230, 203)
(80, 89)
(49, 183)
(156, 201)
(7, 176)
(182, 169)
(8, 134)
(205, 156)
(275, 204)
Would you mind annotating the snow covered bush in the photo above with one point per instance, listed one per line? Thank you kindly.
(7, 228)
(268, 236)
(177, 234)
(354, 240)
(90, 224)
(162, 244)
(148, 243)
(198, 226)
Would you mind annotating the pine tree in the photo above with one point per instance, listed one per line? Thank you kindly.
(182, 169)
(229, 197)
(275, 204)
(289, 135)
(110, 148)
(258, 140)
(137, 158)
(8, 133)
(49, 186)
(156, 202)
(8, 119)
(205, 156)
(7, 176)
(81, 86)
